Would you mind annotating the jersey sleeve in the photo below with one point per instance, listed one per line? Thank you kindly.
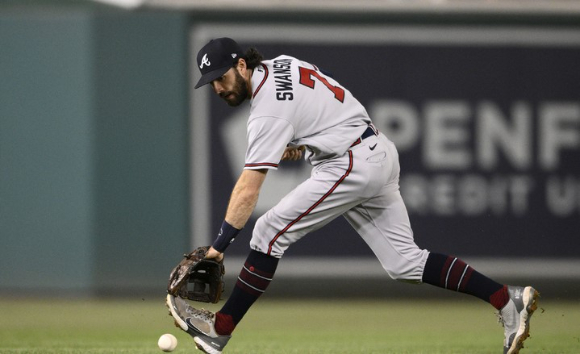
(267, 139)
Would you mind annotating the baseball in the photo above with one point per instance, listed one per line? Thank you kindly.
(167, 342)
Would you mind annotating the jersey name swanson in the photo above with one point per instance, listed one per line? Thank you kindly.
(283, 79)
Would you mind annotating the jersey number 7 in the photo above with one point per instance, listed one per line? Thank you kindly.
(306, 79)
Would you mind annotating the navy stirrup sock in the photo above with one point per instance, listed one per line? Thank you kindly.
(252, 282)
(452, 273)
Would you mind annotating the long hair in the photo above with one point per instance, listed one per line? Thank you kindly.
(253, 58)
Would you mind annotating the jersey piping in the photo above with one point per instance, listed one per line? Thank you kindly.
(261, 164)
(330, 191)
(263, 80)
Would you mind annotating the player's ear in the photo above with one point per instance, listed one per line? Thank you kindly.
(242, 66)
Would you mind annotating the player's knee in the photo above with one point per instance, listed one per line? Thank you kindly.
(264, 244)
(409, 267)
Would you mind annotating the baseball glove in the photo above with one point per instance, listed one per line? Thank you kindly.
(196, 278)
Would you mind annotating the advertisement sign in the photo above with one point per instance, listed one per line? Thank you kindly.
(486, 122)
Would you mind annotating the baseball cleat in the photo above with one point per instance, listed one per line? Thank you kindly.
(515, 317)
(200, 324)
(211, 345)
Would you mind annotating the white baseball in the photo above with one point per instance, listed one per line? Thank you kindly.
(167, 342)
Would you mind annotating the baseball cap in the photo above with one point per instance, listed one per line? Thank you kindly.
(216, 58)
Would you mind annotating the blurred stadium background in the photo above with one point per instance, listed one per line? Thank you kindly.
(112, 166)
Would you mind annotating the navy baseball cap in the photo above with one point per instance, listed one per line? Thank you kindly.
(216, 58)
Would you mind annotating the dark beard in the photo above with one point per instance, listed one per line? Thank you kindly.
(240, 91)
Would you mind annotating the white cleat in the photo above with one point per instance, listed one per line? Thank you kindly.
(200, 324)
(515, 317)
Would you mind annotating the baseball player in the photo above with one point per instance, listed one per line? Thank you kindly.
(299, 111)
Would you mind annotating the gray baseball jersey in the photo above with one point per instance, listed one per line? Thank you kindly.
(355, 173)
(294, 103)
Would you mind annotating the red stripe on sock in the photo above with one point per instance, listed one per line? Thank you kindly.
(444, 271)
(500, 298)
(224, 324)
(248, 289)
(455, 274)
(254, 280)
(465, 280)
(261, 273)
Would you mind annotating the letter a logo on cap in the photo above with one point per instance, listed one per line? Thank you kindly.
(222, 52)
(204, 61)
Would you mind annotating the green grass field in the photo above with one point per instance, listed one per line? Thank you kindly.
(284, 327)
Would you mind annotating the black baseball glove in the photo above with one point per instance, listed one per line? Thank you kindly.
(196, 278)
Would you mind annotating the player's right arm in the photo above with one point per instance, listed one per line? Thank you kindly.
(242, 203)
(244, 197)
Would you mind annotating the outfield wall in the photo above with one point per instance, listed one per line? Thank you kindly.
(94, 148)
(108, 157)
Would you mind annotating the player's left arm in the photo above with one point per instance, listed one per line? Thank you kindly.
(242, 202)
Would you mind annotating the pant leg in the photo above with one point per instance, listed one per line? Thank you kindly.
(335, 186)
(384, 225)
(327, 194)
(383, 222)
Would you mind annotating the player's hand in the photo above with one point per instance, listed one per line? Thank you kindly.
(212, 253)
(293, 153)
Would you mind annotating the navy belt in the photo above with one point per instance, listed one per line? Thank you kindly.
(368, 132)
